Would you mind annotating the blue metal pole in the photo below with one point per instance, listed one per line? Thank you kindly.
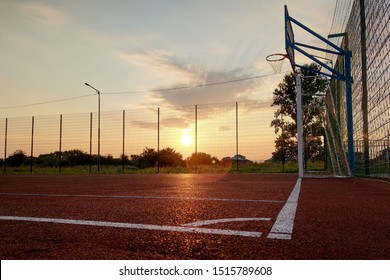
(348, 84)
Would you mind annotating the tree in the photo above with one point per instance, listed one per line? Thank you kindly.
(200, 159)
(169, 157)
(17, 158)
(75, 157)
(285, 149)
(226, 162)
(284, 96)
(50, 159)
(148, 158)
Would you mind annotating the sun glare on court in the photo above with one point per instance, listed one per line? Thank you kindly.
(186, 139)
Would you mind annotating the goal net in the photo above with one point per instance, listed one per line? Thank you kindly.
(336, 156)
(323, 151)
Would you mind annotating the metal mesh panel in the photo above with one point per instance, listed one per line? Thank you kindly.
(217, 129)
(2, 141)
(46, 134)
(76, 132)
(19, 135)
(177, 129)
(232, 135)
(111, 132)
(141, 130)
(256, 136)
(371, 143)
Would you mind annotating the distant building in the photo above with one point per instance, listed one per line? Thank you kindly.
(241, 159)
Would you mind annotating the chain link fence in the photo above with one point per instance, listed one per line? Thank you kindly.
(199, 138)
(366, 25)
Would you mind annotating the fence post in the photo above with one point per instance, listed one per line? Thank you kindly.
(237, 136)
(60, 152)
(158, 139)
(98, 167)
(32, 144)
(123, 141)
(5, 145)
(90, 144)
(196, 138)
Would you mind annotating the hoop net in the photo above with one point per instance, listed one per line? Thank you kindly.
(276, 61)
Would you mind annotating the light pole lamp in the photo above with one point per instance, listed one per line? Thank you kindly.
(98, 94)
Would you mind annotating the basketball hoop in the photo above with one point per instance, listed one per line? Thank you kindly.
(276, 61)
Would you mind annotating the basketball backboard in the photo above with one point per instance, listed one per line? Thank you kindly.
(292, 45)
(289, 35)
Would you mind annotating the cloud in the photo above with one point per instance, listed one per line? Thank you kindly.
(175, 122)
(179, 73)
(145, 125)
(164, 65)
(44, 13)
(218, 93)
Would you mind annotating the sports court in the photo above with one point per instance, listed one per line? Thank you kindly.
(193, 216)
(334, 111)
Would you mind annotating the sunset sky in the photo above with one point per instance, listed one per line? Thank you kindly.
(131, 49)
(49, 49)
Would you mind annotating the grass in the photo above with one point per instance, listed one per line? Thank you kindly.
(267, 168)
(376, 170)
(111, 169)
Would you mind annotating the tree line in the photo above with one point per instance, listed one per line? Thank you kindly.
(167, 157)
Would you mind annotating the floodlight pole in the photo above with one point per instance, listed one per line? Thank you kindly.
(98, 94)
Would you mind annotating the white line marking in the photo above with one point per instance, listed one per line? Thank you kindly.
(135, 226)
(217, 221)
(283, 226)
(142, 197)
(279, 236)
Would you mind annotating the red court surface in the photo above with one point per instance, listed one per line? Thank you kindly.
(192, 216)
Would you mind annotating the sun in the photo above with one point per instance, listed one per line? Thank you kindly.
(186, 139)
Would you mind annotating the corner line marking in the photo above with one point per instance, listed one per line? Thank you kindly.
(283, 226)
